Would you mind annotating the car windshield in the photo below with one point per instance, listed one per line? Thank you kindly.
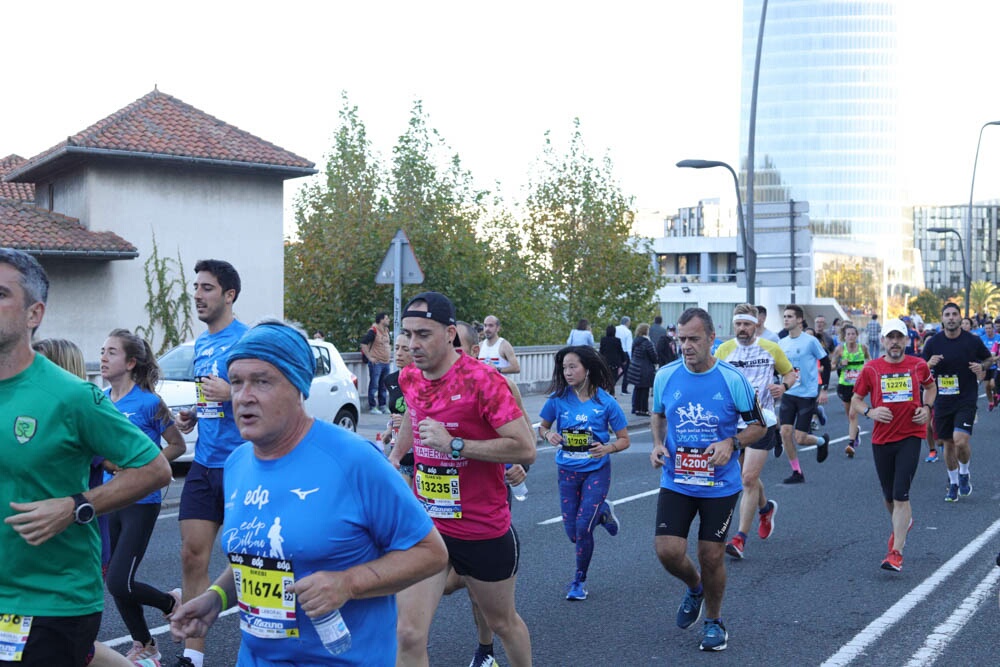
(178, 364)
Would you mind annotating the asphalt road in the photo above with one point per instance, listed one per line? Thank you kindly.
(812, 594)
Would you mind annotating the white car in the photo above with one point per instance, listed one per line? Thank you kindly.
(333, 396)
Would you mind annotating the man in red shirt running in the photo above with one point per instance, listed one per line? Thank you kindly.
(900, 418)
(463, 424)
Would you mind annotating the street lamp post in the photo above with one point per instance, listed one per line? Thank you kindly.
(968, 227)
(961, 248)
(749, 254)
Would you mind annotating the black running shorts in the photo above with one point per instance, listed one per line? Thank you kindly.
(797, 411)
(676, 511)
(485, 560)
(896, 464)
(954, 417)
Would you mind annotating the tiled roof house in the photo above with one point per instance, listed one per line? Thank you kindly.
(157, 168)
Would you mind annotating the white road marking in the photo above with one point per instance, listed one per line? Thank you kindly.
(167, 516)
(943, 634)
(159, 630)
(629, 499)
(898, 611)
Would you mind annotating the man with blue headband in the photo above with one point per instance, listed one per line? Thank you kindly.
(316, 520)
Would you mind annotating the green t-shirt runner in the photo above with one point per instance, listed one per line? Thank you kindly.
(51, 425)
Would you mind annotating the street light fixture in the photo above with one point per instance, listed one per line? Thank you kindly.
(961, 248)
(749, 255)
(968, 227)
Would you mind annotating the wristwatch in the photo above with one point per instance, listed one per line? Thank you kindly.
(867, 410)
(457, 445)
(84, 512)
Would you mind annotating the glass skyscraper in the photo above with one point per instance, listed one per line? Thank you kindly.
(827, 128)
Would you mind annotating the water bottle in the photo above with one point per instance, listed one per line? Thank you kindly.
(333, 632)
(521, 490)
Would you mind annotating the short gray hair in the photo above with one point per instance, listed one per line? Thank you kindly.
(34, 282)
(626, 320)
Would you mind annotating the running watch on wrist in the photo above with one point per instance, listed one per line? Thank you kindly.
(457, 445)
(84, 512)
(867, 410)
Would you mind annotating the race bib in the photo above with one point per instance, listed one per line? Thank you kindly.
(205, 408)
(438, 490)
(691, 467)
(947, 385)
(267, 606)
(851, 375)
(14, 631)
(576, 443)
(897, 388)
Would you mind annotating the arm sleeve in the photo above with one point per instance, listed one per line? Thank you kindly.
(824, 375)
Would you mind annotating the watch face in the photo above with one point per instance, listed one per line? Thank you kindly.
(85, 513)
(457, 444)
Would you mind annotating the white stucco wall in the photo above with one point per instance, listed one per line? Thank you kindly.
(200, 213)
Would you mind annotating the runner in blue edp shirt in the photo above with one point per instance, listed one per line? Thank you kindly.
(698, 402)
(578, 419)
(702, 408)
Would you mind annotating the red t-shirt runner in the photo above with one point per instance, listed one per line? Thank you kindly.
(466, 498)
(897, 387)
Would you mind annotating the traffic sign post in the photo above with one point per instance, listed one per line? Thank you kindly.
(399, 266)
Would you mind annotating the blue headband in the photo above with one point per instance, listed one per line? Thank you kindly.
(281, 346)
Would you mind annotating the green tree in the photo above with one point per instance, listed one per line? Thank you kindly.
(342, 235)
(927, 304)
(580, 223)
(985, 297)
(168, 302)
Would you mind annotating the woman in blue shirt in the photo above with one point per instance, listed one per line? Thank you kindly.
(129, 366)
(578, 419)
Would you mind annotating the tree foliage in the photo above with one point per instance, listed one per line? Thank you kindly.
(927, 304)
(985, 297)
(572, 258)
(342, 236)
(580, 222)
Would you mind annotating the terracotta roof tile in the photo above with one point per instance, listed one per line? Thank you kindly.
(161, 125)
(22, 191)
(38, 231)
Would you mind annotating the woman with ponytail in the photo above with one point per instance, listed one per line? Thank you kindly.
(129, 366)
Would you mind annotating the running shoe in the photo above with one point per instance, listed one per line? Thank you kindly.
(766, 526)
(577, 590)
(690, 610)
(892, 535)
(778, 448)
(893, 561)
(142, 651)
(714, 636)
(932, 457)
(952, 496)
(849, 449)
(823, 449)
(990, 404)
(795, 478)
(482, 660)
(147, 662)
(176, 595)
(184, 661)
(735, 547)
(821, 415)
(609, 519)
(964, 485)
(813, 425)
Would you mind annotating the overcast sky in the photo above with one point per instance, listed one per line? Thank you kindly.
(652, 82)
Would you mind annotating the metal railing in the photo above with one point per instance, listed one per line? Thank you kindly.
(536, 368)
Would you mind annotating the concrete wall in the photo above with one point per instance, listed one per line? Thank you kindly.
(199, 213)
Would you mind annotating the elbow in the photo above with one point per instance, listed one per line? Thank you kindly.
(161, 474)
(528, 454)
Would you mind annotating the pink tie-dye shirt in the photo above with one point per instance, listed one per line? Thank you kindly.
(472, 400)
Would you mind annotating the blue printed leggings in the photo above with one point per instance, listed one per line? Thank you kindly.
(582, 494)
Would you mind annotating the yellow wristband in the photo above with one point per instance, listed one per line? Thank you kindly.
(222, 595)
